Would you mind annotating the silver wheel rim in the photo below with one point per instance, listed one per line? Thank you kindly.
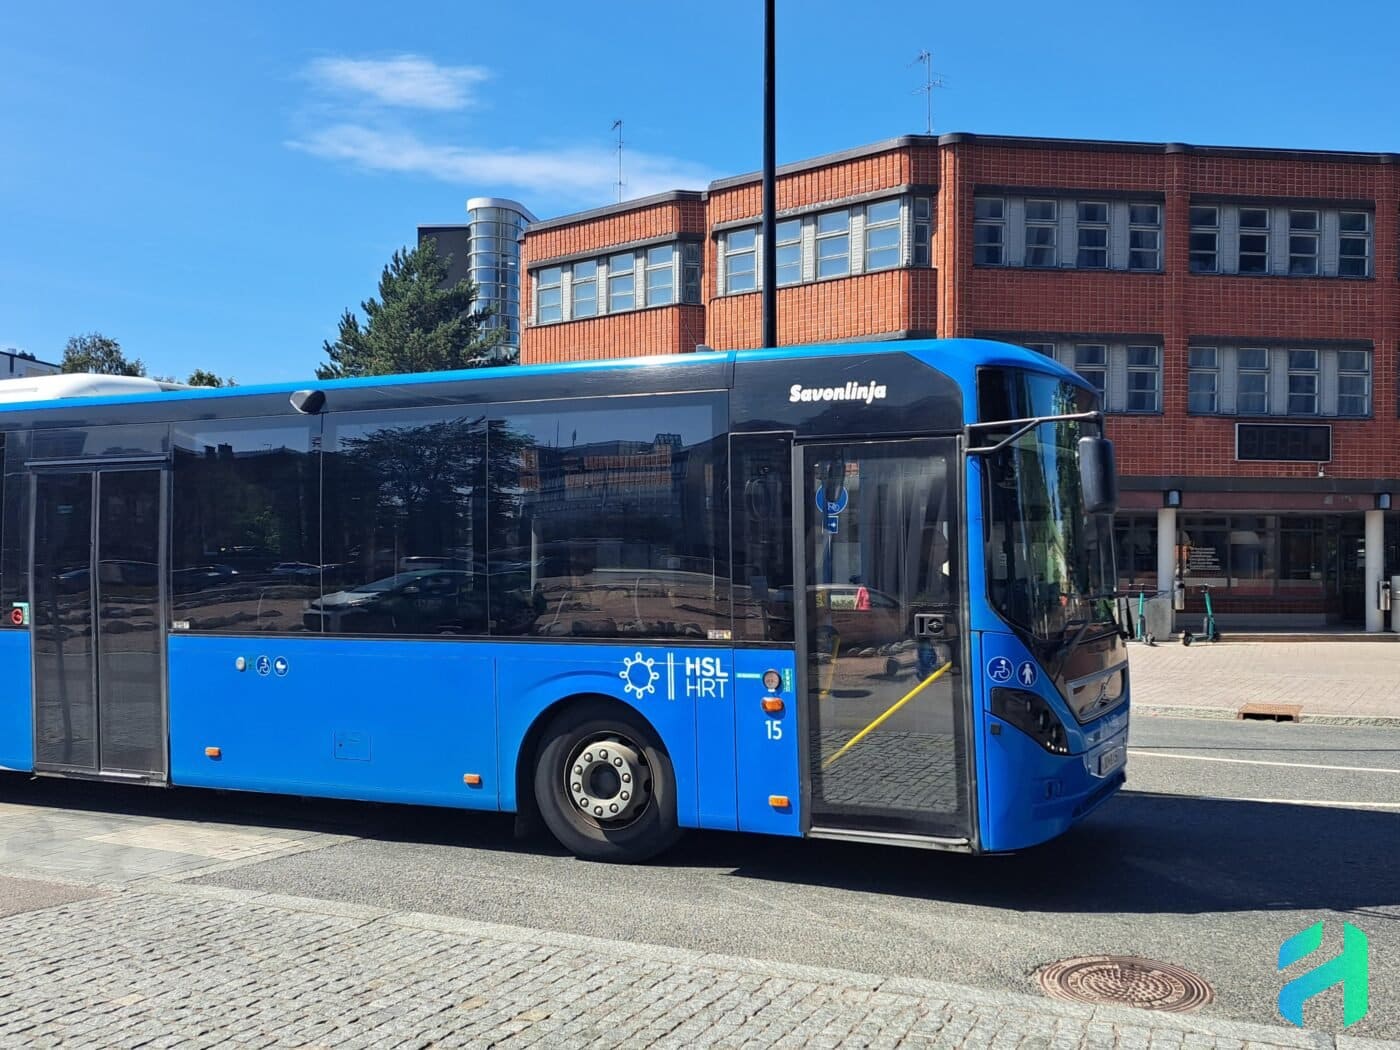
(608, 781)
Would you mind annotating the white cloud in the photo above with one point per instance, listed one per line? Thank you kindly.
(577, 174)
(409, 81)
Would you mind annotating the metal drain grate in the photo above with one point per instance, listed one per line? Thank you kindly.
(1124, 980)
(1271, 712)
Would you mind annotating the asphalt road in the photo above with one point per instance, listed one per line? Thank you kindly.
(1233, 837)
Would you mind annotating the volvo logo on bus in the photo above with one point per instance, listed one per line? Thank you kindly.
(852, 391)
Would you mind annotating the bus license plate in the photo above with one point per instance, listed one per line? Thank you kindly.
(1111, 760)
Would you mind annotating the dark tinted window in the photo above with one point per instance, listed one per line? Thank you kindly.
(245, 549)
(607, 521)
(761, 497)
(404, 524)
(14, 523)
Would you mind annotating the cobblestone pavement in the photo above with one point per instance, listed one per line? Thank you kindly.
(161, 964)
(1333, 681)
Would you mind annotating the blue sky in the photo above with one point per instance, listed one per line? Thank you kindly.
(213, 184)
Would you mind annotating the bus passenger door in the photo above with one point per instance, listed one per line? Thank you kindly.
(97, 620)
(885, 703)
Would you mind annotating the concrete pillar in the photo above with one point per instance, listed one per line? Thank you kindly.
(1166, 548)
(1375, 557)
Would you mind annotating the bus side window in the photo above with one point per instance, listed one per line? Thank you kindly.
(761, 507)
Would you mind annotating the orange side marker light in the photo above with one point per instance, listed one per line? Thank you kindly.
(773, 705)
(213, 752)
(780, 801)
(471, 779)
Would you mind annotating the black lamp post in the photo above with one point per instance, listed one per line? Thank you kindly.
(770, 225)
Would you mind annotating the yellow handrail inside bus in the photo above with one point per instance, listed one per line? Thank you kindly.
(891, 710)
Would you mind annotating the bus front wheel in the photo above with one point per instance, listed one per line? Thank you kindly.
(604, 784)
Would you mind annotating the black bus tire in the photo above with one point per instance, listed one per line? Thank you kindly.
(587, 728)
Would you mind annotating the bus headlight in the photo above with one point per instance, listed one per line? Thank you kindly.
(1029, 713)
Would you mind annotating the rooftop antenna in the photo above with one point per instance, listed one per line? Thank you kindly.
(931, 80)
(617, 126)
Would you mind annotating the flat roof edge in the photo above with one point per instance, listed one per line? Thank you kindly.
(621, 208)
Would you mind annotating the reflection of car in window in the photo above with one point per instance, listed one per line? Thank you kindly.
(423, 601)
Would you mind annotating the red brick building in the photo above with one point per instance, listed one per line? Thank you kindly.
(1238, 308)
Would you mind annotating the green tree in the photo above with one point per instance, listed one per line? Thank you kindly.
(418, 324)
(200, 377)
(98, 354)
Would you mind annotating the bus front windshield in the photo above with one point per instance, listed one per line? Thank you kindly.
(1050, 566)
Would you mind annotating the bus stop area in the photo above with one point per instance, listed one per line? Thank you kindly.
(1340, 682)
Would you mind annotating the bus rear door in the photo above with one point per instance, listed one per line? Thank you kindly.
(98, 618)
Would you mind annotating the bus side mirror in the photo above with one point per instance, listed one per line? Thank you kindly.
(1098, 475)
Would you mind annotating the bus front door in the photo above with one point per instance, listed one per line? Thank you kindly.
(885, 704)
(97, 600)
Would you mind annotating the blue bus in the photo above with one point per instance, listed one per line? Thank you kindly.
(856, 591)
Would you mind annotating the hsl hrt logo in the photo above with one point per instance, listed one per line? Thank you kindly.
(1350, 969)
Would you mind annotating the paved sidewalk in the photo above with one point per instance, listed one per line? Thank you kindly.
(159, 963)
(1332, 681)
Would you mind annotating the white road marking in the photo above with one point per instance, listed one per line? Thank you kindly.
(1334, 803)
(1257, 762)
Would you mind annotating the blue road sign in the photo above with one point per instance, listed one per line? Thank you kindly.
(264, 666)
(832, 506)
(281, 666)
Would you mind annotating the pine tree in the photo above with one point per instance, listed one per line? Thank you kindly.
(418, 323)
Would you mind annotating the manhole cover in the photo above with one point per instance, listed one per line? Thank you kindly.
(1122, 980)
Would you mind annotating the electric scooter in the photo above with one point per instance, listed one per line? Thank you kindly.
(1209, 631)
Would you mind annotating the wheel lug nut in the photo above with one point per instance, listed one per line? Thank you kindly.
(598, 811)
(578, 771)
(627, 778)
(625, 795)
(577, 788)
(613, 808)
(588, 756)
(617, 762)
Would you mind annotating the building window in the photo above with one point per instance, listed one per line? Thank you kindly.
(1355, 244)
(549, 304)
(1252, 390)
(1205, 237)
(1093, 236)
(621, 283)
(923, 230)
(881, 235)
(1144, 379)
(661, 275)
(690, 272)
(585, 290)
(1091, 362)
(1127, 376)
(833, 244)
(989, 231)
(1041, 222)
(739, 259)
(789, 243)
(1303, 227)
(1203, 380)
(1254, 240)
(1302, 382)
(1144, 236)
(1353, 383)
